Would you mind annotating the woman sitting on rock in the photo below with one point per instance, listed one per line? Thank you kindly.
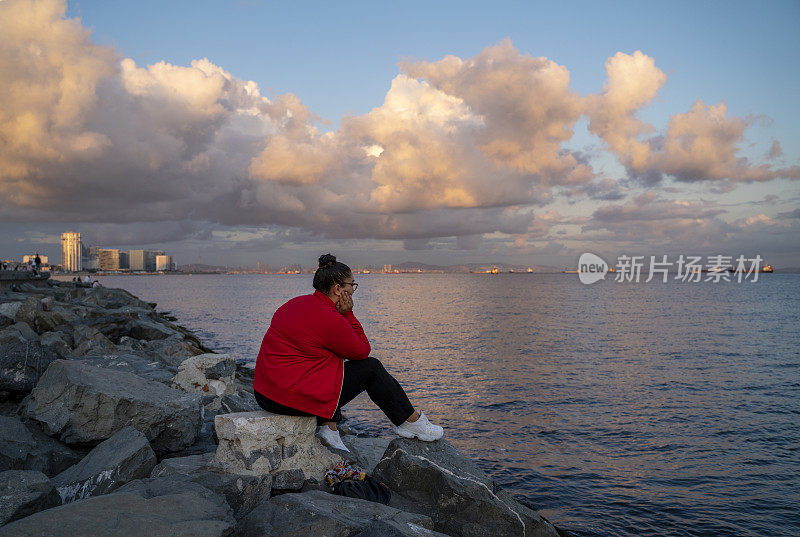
(314, 359)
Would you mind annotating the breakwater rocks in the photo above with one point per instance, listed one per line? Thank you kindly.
(116, 421)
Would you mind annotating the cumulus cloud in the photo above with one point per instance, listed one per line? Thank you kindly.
(526, 104)
(459, 148)
(632, 82)
(699, 145)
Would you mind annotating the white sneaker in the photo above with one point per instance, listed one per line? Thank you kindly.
(331, 438)
(422, 429)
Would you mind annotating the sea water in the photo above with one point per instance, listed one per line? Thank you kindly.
(615, 408)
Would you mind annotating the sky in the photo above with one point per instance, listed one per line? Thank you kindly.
(449, 132)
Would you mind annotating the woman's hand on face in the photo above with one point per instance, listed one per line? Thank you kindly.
(345, 303)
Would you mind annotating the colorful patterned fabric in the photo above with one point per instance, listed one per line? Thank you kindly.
(342, 472)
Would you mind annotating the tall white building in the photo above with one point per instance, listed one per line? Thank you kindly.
(163, 262)
(71, 251)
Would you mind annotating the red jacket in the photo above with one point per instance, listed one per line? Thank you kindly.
(300, 364)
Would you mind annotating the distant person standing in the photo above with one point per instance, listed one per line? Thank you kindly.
(38, 261)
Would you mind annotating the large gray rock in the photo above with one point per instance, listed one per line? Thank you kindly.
(90, 341)
(392, 528)
(28, 310)
(122, 458)
(9, 310)
(57, 343)
(111, 298)
(25, 330)
(25, 448)
(83, 404)
(242, 492)
(24, 492)
(367, 452)
(173, 509)
(133, 363)
(241, 401)
(320, 513)
(261, 442)
(113, 325)
(53, 318)
(207, 374)
(148, 329)
(436, 479)
(171, 351)
(82, 332)
(23, 359)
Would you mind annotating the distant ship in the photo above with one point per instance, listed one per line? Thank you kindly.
(766, 269)
(493, 270)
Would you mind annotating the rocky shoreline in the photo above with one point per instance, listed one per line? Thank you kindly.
(114, 420)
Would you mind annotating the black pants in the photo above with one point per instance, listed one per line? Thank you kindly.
(359, 375)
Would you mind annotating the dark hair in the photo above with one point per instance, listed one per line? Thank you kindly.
(329, 273)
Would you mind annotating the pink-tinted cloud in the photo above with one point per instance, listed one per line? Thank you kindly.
(460, 148)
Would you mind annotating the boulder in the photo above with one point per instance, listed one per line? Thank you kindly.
(24, 492)
(171, 351)
(47, 321)
(25, 448)
(392, 528)
(9, 309)
(90, 341)
(183, 465)
(100, 344)
(436, 479)
(111, 298)
(320, 513)
(112, 325)
(56, 342)
(242, 492)
(82, 333)
(261, 442)
(367, 452)
(241, 401)
(27, 311)
(122, 458)
(83, 404)
(133, 363)
(147, 329)
(24, 330)
(23, 359)
(207, 374)
(47, 302)
(171, 509)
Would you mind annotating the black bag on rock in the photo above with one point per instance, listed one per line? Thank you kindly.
(369, 489)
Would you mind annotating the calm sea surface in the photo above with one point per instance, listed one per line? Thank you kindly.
(616, 409)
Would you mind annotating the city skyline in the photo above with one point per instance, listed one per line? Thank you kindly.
(444, 134)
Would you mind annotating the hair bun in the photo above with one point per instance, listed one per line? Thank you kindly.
(326, 261)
